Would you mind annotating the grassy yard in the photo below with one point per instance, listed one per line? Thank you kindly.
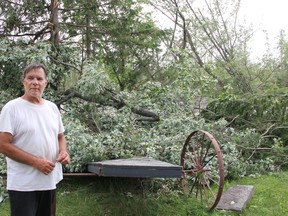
(92, 196)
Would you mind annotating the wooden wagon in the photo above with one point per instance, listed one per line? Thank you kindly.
(201, 169)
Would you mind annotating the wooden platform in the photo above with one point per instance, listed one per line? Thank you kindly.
(141, 167)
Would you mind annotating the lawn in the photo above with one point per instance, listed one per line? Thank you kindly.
(93, 196)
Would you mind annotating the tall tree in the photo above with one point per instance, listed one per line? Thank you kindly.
(211, 35)
(116, 33)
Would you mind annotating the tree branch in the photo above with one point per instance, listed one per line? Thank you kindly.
(147, 115)
(41, 32)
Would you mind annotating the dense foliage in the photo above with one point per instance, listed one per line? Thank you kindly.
(266, 113)
(121, 96)
(117, 134)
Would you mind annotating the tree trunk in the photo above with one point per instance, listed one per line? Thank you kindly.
(54, 22)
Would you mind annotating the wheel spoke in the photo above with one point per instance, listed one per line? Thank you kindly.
(190, 155)
(204, 164)
(193, 185)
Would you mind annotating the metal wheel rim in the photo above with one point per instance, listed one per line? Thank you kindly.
(200, 172)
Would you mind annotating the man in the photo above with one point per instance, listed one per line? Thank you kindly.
(32, 139)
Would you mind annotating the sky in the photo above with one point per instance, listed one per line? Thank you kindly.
(265, 15)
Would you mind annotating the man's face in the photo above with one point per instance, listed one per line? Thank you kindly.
(35, 81)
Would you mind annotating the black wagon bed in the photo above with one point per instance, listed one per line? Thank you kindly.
(141, 167)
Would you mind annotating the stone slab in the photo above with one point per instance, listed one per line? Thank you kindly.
(236, 197)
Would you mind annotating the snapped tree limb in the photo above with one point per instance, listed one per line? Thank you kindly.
(111, 100)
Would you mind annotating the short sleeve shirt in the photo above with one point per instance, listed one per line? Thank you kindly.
(35, 129)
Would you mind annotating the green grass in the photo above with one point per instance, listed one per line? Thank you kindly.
(92, 196)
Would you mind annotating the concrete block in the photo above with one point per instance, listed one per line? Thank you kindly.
(236, 197)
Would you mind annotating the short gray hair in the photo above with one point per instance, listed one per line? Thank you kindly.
(33, 66)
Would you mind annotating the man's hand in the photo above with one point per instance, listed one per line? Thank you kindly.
(63, 158)
(44, 165)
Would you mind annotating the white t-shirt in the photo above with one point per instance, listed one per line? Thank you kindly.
(35, 129)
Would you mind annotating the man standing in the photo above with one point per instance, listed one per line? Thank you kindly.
(32, 139)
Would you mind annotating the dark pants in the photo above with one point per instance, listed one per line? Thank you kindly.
(32, 203)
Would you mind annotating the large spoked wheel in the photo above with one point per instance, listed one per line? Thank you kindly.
(203, 168)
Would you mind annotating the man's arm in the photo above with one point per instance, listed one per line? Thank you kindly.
(17, 154)
(63, 156)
